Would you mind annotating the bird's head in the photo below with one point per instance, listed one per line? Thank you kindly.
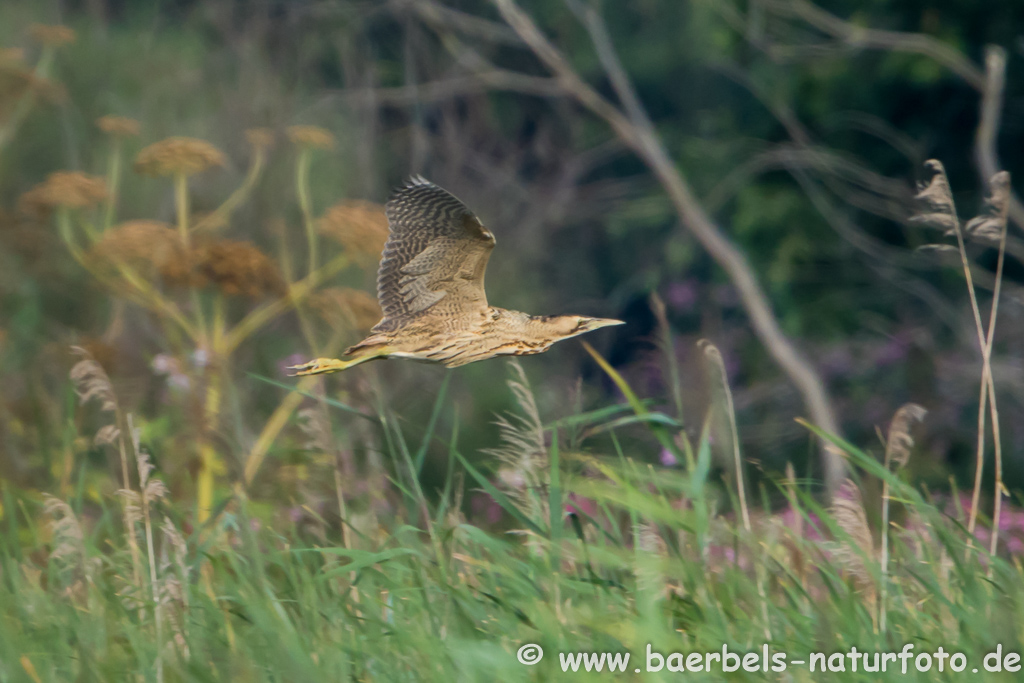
(565, 326)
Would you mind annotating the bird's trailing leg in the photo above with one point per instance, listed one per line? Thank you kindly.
(321, 366)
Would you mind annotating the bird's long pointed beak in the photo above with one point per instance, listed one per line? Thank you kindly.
(597, 323)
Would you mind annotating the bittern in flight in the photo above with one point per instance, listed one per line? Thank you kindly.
(431, 289)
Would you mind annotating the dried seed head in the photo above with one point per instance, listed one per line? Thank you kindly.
(936, 199)
(118, 126)
(91, 381)
(68, 546)
(238, 269)
(310, 136)
(70, 189)
(900, 441)
(175, 538)
(361, 227)
(650, 540)
(149, 247)
(316, 428)
(347, 309)
(853, 553)
(990, 224)
(178, 155)
(132, 507)
(107, 435)
(523, 451)
(52, 35)
(15, 81)
(260, 138)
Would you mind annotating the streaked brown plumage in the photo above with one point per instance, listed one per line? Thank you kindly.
(431, 289)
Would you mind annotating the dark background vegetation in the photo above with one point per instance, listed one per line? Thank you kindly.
(581, 224)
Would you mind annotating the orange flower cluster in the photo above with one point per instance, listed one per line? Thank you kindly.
(361, 227)
(149, 247)
(52, 36)
(118, 126)
(311, 136)
(346, 308)
(238, 269)
(178, 155)
(259, 138)
(70, 189)
(12, 56)
(154, 249)
(17, 80)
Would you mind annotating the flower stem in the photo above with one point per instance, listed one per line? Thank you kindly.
(306, 204)
(113, 181)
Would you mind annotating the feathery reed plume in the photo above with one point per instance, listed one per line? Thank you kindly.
(141, 503)
(173, 588)
(238, 269)
(310, 136)
(315, 424)
(796, 554)
(51, 35)
(118, 126)
(346, 309)
(68, 552)
(361, 228)
(649, 562)
(938, 209)
(69, 189)
(897, 453)
(668, 351)
(523, 451)
(723, 395)
(857, 550)
(316, 429)
(988, 226)
(178, 155)
(936, 200)
(91, 382)
(900, 440)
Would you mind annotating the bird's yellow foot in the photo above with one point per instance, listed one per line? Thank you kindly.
(321, 366)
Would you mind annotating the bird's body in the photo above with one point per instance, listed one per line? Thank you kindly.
(431, 290)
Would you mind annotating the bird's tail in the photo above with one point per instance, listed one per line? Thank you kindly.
(360, 353)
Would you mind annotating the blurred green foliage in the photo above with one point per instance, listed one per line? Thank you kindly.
(212, 70)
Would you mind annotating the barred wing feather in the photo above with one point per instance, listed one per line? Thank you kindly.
(434, 259)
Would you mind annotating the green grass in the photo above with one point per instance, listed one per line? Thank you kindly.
(649, 562)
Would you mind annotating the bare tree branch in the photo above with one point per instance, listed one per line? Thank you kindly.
(435, 91)
(639, 134)
(989, 83)
(988, 119)
(439, 15)
(859, 37)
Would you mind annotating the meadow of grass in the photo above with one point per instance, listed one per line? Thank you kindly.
(177, 538)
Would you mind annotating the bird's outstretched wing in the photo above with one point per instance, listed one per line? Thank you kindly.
(434, 259)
